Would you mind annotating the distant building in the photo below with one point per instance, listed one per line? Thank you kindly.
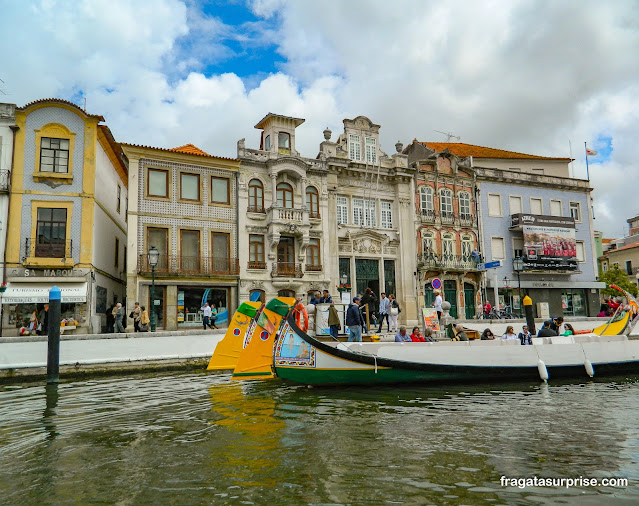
(622, 253)
(183, 202)
(68, 216)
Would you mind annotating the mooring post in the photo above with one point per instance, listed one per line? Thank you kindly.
(53, 354)
(530, 319)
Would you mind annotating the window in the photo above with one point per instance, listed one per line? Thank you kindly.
(428, 244)
(354, 147)
(117, 206)
(54, 155)
(158, 237)
(536, 206)
(284, 143)
(575, 211)
(371, 150)
(116, 256)
(342, 210)
(497, 248)
(364, 212)
(581, 252)
(387, 215)
(464, 205)
(220, 190)
(261, 295)
(467, 247)
(220, 249)
(256, 252)
(448, 246)
(190, 250)
(51, 231)
(285, 195)
(267, 143)
(514, 203)
(313, 254)
(370, 213)
(518, 247)
(494, 204)
(446, 202)
(426, 199)
(157, 183)
(256, 196)
(604, 266)
(358, 212)
(312, 201)
(555, 208)
(126, 210)
(190, 187)
(628, 267)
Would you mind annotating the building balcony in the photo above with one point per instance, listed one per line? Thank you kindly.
(48, 252)
(466, 220)
(287, 215)
(256, 209)
(5, 180)
(447, 218)
(313, 268)
(286, 270)
(256, 265)
(176, 265)
(446, 262)
(427, 216)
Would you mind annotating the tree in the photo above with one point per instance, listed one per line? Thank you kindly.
(616, 276)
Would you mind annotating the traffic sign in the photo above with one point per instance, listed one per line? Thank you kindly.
(436, 283)
(489, 265)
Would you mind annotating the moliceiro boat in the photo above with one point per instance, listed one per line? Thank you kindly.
(304, 359)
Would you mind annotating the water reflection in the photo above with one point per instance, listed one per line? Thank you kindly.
(48, 415)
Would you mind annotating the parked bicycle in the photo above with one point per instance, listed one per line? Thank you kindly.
(499, 314)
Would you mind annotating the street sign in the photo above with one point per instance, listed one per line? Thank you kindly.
(489, 265)
(436, 283)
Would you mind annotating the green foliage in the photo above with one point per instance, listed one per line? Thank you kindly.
(616, 276)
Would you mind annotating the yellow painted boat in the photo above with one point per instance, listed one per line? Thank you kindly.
(616, 327)
(256, 358)
(228, 350)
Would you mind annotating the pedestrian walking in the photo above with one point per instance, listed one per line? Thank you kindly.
(136, 314)
(144, 320)
(110, 319)
(384, 311)
(394, 314)
(354, 321)
(333, 321)
(119, 316)
(206, 315)
(438, 305)
(213, 317)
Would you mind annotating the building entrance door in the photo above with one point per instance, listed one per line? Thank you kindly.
(450, 295)
(286, 255)
(367, 275)
(469, 301)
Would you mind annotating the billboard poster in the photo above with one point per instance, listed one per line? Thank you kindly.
(430, 318)
(549, 248)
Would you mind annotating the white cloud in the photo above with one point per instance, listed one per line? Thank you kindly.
(521, 75)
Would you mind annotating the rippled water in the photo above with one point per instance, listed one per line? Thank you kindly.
(201, 439)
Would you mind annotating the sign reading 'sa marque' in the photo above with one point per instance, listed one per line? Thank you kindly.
(549, 241)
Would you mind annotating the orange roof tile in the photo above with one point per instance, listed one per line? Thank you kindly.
(628, 246)
(190, 149)
(464, 150)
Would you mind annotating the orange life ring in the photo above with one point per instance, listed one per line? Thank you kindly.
(299, 311)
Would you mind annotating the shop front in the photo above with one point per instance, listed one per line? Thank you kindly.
(21, 299)
(190, 301)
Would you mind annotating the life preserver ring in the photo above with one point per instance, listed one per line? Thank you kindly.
(299, 311)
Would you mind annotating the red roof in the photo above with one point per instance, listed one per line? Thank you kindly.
(629, 246)
(188, 149)
(60, 101)
(465, 150)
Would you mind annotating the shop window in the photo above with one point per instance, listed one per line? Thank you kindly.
(220, 190)
(256, 252)
(191, 300)
(256, 196)
(284, 143)
(51, 230)
(54, 155)
(312, 201)
(342, 210)
(284, 195)
(190, 187)
(157, 183)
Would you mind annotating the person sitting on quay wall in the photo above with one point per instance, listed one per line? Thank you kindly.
(509, 334)
(461, 335)
(428, 335)
(525, 336)
(402, 336)
(568, 330)
(487, 334)
(556, 323)
(416, 336)
(326, 298)
(314, 300)
(546, 331)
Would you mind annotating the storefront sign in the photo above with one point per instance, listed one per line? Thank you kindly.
(53, 273)
(37, 293)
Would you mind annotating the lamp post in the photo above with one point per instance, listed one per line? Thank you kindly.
(153, 256)
(518, 266)
(507, 288)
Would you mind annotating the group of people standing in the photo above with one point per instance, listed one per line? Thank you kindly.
(115, 318)
(39, 322)
(386, 309)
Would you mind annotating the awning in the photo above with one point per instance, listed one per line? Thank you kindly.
(38, 293)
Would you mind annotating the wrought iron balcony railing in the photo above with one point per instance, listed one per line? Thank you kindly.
(453, 262)
(428, 215)
(313, 267)
(286, 270)
(177, 265)
(41, 247)
(256, 265)
(256, 209)
(447, 217)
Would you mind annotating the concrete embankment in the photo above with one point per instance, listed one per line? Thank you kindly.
(23, 358)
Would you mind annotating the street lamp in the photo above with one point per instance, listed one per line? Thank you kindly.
(343, 279)
(153, 256)
(518, 266)
(507, 287)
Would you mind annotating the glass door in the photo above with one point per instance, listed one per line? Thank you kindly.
(190, 250)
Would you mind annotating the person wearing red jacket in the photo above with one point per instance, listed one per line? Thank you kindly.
(416, 336)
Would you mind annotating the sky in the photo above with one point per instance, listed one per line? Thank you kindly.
(538, 77)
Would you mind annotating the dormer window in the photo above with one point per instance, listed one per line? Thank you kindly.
(354, 147)
(267, 143)
(371, 150)
(284, 143)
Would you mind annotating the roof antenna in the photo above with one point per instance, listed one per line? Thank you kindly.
(449, 135)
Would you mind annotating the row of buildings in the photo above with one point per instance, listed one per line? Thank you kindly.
(81, 210)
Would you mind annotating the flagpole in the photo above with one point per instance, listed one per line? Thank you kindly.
(586, 151)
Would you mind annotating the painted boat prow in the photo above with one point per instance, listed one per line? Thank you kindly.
(256, 358)
(227, 351)
(615, 328)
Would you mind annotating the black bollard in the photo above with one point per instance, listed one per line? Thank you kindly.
(530, 318)
(53, 354)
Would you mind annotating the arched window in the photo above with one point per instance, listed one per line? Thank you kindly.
(285, 195)
(312, 201)
(429, 248)
(256, 196)
(464, 206)
(446, 202)
(286, 293)
(448, 246)
(466, 247)
(426, 200)
(257, 295)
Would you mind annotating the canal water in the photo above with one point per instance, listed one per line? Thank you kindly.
(198, 438)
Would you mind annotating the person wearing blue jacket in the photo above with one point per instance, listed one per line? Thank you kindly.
(354, 321)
